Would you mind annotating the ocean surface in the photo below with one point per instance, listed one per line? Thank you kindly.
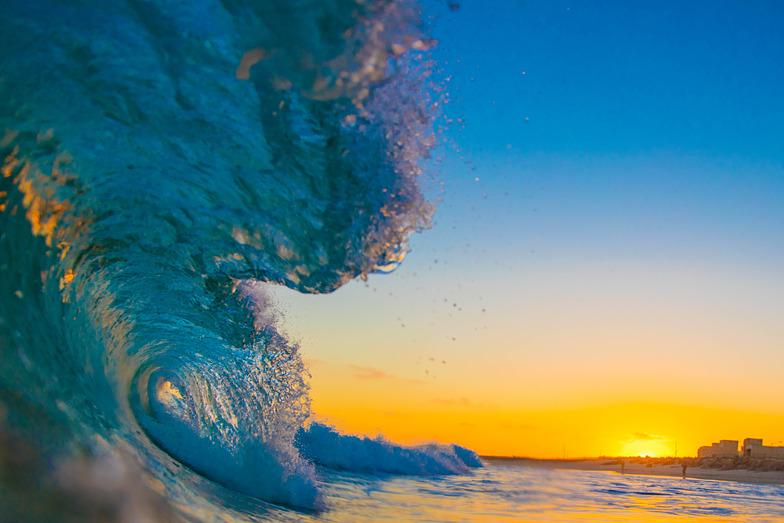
(163, 165)
(512, 493)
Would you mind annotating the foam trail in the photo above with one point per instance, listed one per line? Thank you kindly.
(327, 447)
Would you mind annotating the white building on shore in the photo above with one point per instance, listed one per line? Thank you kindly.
(726, 448)
(753, 448)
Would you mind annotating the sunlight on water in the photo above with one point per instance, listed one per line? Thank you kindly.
(497, 493)
(519, 494)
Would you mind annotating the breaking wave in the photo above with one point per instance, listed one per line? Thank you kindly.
(162, 164)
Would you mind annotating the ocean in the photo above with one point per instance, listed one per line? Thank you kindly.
(163, 165)
(496, 493)
(512, 493)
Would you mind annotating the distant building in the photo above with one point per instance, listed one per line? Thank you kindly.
(726, 448)
(753, 448)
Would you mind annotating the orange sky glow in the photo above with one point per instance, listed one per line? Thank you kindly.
(527, 386)
(362, 401)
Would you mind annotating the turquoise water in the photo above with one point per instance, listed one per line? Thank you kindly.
(164, 164)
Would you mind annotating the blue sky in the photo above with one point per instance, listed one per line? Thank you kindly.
(642, 129)
(619, 77)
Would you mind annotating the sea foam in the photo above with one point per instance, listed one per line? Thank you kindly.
(327, 447)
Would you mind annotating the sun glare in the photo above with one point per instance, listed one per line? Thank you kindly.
(653, 449)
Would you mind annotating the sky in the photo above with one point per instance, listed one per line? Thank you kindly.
(604, 275)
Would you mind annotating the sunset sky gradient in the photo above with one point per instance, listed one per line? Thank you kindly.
(605, 272)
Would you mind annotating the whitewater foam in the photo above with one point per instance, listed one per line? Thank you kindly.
(327, 447)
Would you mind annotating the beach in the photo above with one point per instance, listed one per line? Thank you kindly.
(641, 468)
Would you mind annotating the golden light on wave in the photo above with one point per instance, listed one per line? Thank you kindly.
(166, 391)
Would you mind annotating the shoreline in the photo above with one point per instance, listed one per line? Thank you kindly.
(642, 469)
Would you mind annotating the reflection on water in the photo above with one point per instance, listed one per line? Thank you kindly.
(511, 493)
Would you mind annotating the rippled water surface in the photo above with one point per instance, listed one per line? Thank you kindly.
(511, 493)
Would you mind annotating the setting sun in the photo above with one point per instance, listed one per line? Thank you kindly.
(652, 449)
(647, 444)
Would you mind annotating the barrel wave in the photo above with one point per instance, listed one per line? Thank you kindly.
(162, 164)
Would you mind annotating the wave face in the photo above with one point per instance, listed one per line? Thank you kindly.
(162, 162)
